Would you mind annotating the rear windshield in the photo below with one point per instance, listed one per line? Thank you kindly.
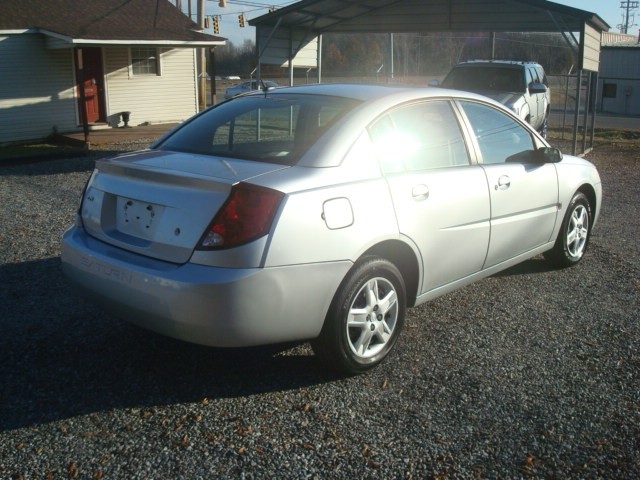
(275, 128)
(485, 79)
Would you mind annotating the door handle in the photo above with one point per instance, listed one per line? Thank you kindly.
(420, 192)
(504, 182)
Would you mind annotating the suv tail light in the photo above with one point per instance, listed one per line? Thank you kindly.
(246, 216)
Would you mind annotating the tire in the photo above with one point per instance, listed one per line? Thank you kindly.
(575, 233)
(365, 318)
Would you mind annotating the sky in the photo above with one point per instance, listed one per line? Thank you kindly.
(608, 10)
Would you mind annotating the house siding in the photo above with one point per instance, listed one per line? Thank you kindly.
(36, 89)
(165, 98)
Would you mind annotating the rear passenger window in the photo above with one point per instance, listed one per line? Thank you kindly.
(418, 137)
(501, 139)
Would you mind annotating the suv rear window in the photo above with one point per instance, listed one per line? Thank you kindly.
(274, 128)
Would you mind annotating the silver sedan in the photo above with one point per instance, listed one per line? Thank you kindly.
(322, 213)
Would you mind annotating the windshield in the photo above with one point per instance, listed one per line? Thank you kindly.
(275, 128)
(485, 79)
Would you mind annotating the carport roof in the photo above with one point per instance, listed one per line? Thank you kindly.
(399, 16)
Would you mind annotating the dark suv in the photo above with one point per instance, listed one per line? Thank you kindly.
(520, 86)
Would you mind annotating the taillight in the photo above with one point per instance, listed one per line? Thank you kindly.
(246, 216)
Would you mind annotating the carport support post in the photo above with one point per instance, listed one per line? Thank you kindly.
(492, 45)
(291, 57)
(576, 114)
(592, 103)
(587, 111)
(392, 73)
(319, 59)
(259, 60)
(212, 74)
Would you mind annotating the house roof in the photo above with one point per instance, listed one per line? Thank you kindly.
(104, 22)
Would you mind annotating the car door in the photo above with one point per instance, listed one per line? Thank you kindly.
(540, 98)
(545, 98)
(532, 98)
(524, 194)
(441, 200)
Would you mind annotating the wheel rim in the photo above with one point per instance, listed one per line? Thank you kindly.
(372, 318)
(577, 231)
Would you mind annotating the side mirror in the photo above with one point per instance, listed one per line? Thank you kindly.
(537, 157)
(537, 88)
(548, 155)
(434, 83)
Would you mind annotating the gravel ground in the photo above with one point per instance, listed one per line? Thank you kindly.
(533, 373)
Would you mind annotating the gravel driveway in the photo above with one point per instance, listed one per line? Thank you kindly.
(532, 373)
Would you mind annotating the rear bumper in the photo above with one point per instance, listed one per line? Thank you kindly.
(222, 307)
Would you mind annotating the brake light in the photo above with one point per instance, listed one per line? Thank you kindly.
(246, 216)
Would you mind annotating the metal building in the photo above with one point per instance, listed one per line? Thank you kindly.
(619, 83)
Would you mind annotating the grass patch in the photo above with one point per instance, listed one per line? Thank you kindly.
(601, 135)
(13, 154)
(616, 135)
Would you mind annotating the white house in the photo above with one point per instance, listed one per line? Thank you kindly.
(66, 62)
(619, 81)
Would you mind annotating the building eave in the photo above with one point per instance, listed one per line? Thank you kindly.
(117, 42)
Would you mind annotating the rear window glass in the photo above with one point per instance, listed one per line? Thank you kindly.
(275, 128)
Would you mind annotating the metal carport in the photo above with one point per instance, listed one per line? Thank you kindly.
(293, 34)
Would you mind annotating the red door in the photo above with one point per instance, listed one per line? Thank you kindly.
(91, 78)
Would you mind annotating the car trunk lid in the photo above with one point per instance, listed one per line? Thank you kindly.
(159, 203)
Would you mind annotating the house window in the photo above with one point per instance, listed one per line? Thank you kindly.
(609, 90)
(144, 61)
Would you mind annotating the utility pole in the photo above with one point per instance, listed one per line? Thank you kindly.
(628, 16)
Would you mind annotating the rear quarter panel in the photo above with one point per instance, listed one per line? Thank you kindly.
(303, 232)
(303, 236)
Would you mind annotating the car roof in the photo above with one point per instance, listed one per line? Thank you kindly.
(362, 92)
(374, 95)
(498, 63)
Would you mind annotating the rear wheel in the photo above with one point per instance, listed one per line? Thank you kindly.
(365, 318)
(573, 239)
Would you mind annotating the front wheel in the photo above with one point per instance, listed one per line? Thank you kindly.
(365, 318)
(573, 239)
